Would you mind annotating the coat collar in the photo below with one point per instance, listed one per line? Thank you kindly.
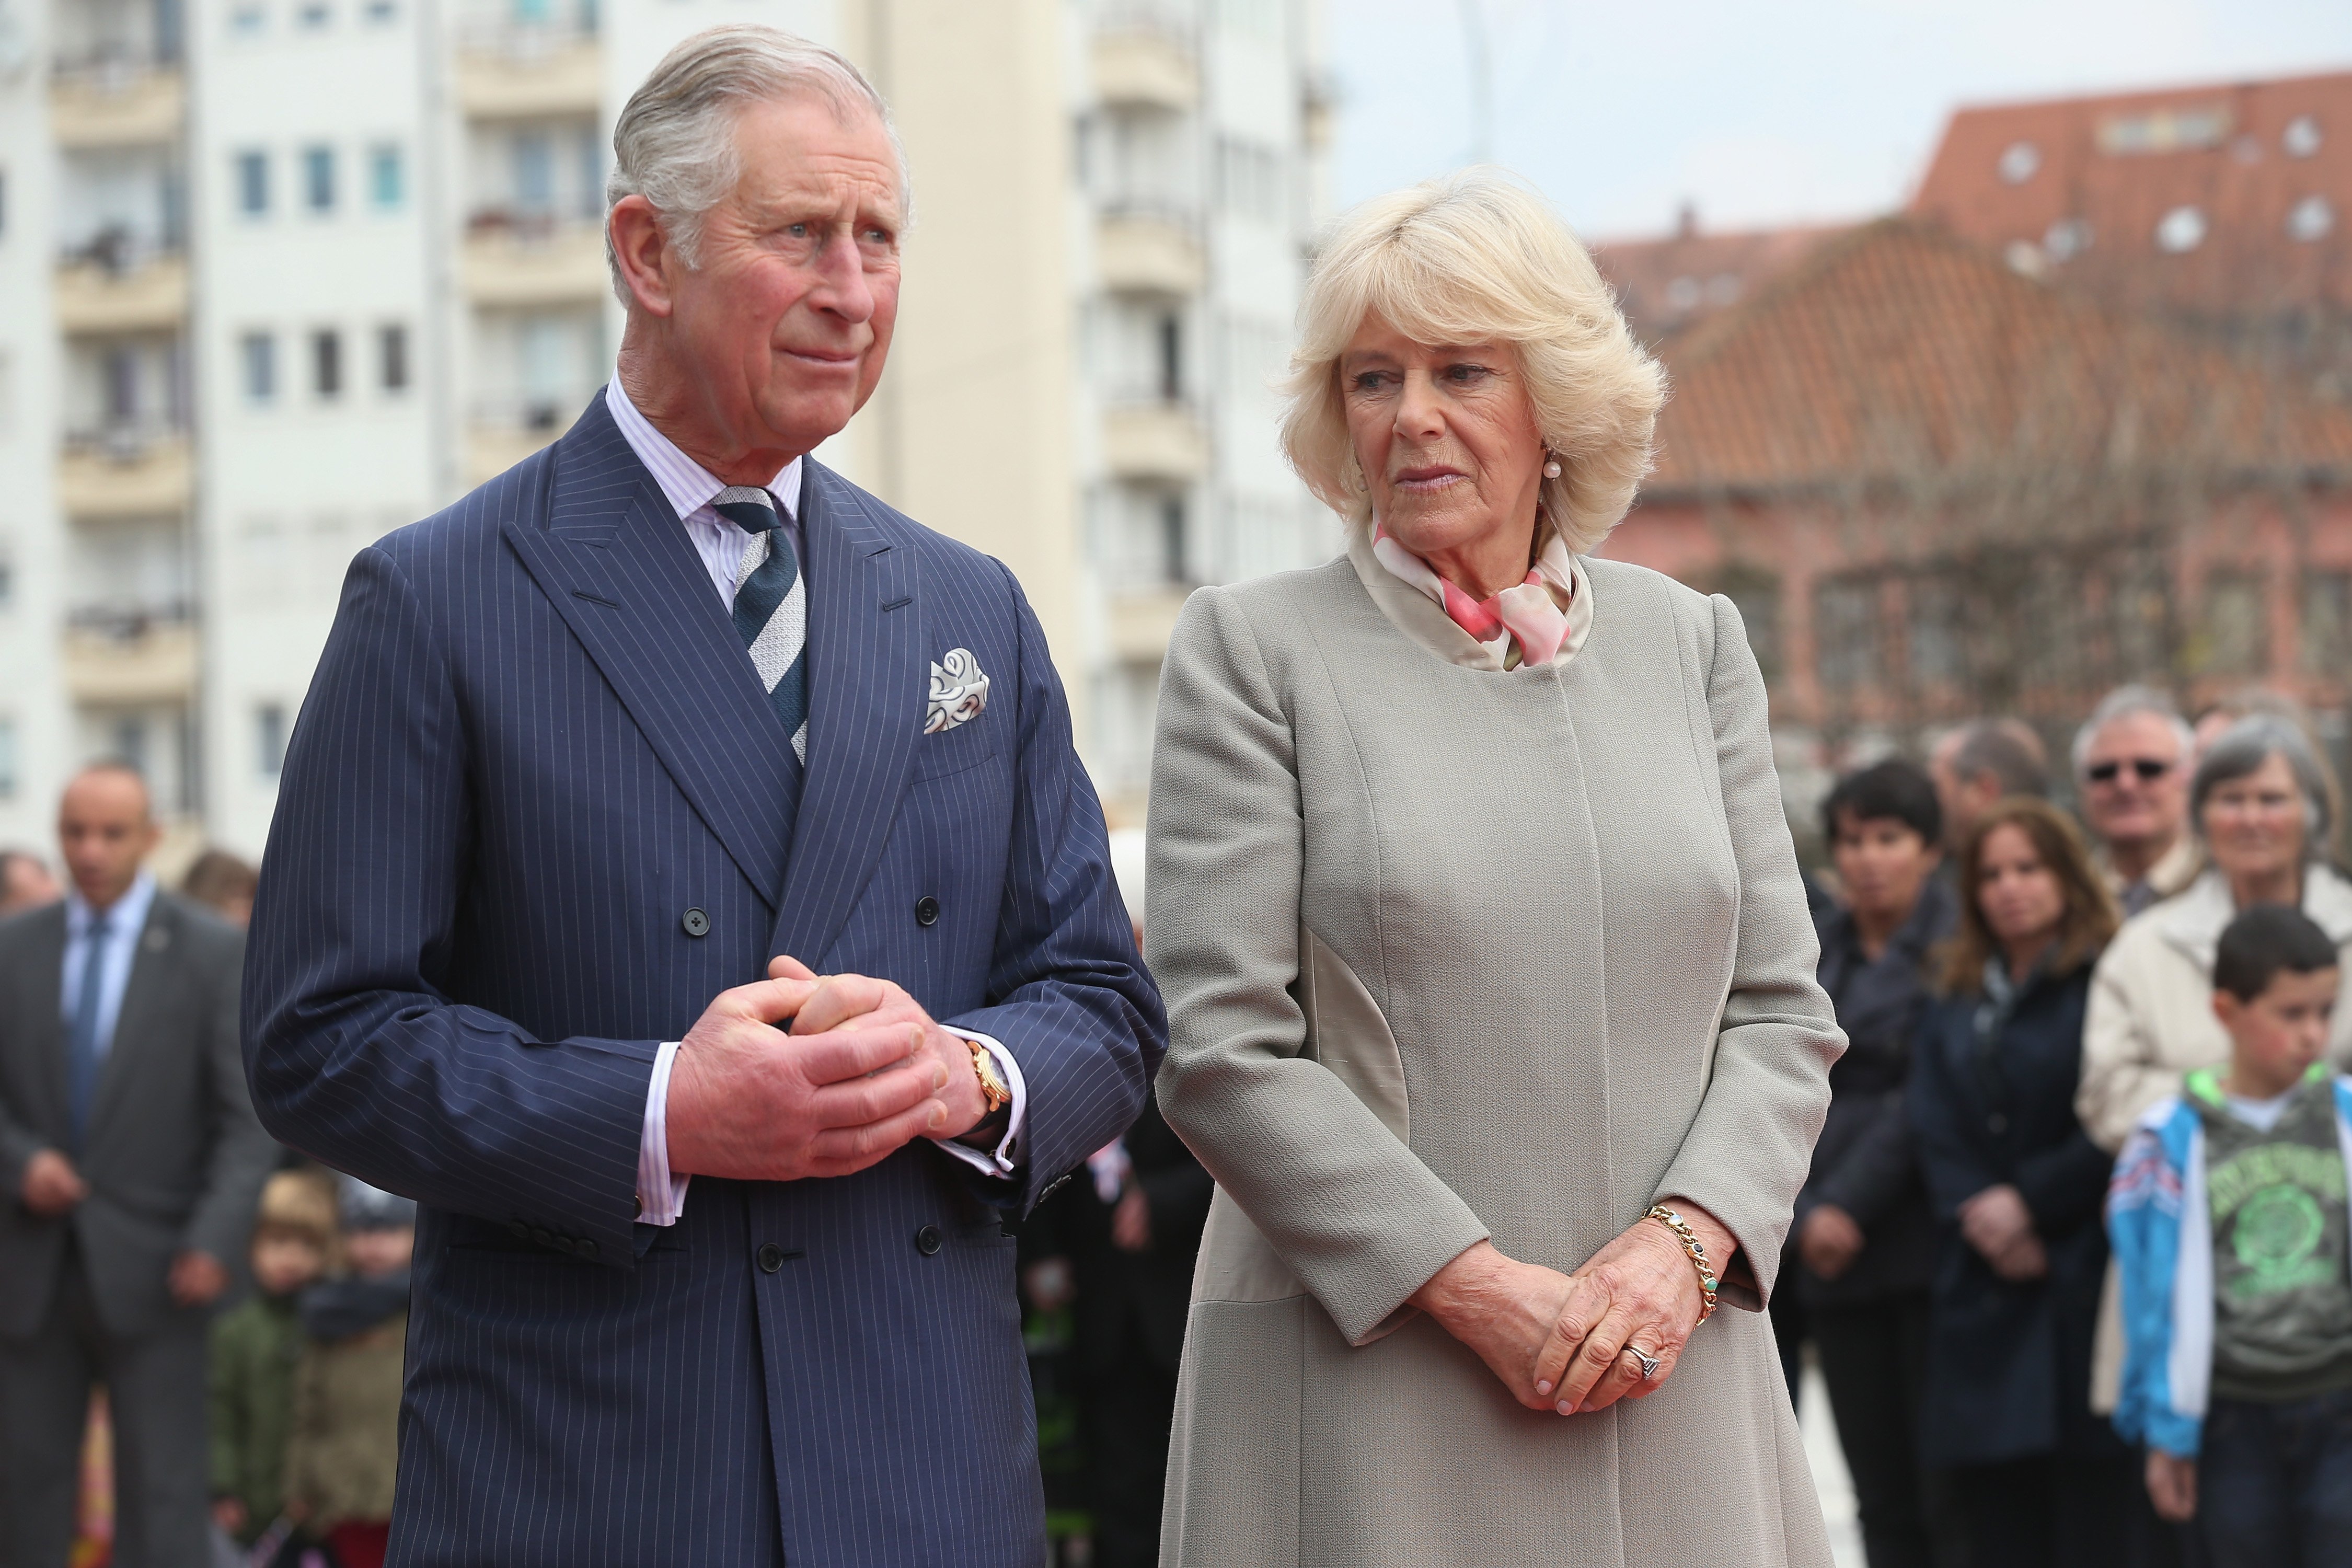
(604, 546)
(1417, 616)
(866, 690)
(2192, 921)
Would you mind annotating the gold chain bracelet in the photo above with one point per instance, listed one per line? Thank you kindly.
(1697, 1253)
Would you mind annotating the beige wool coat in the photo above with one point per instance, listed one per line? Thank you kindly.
(1451, 952)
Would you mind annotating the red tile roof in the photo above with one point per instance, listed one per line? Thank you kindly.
(1896, 352)
(1668, 285)
(2258, 175)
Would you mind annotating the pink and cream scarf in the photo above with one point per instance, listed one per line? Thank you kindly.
(1530, 622)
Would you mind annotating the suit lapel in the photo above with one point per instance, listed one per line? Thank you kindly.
(141, 1017)
(866, 708)
(41, 962)
(615, 562)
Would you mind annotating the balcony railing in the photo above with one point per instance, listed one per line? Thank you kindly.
(513, 67)
(1151, 67)
(1148, 248)
(122, 657)
(504, 431)
(533, 258)
(120, 284)
(1158, 441)
(117, 96)
(126, 471)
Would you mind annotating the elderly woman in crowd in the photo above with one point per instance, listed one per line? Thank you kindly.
(2260, 802)
(2017, 1189)
(1489, 970)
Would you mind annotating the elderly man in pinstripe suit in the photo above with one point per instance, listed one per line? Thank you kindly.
(684, 886)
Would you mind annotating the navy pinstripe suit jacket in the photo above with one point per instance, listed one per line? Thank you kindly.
(533, 743)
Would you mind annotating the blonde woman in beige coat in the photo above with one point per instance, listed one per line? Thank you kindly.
(1489, 973)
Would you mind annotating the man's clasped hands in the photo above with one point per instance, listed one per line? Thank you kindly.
(808, 1074)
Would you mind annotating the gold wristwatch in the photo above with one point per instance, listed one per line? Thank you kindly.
(993, 1087)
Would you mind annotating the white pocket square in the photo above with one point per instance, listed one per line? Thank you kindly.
(958, 692)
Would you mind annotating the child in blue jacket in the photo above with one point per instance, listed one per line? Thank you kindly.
(2228, 1219)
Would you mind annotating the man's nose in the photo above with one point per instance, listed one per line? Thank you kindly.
(844, 290)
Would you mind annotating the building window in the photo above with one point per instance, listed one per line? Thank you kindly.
(313, 15)
(247, 21)
(7, 759)
(1171, 357)
(2233, 634)
(318, 179)
(253, 184)
(380, 12)
(392, 358)
(384, 175)
(1845, 634)
(327, 363)
(1174, 556)
(269, 739)
(258, 354)
(2326, 639)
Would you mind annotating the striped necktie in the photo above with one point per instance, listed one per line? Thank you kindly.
(771, 605)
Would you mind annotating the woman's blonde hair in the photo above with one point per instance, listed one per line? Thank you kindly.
(1475, 257)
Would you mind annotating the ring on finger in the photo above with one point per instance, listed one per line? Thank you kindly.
(1650, 1364)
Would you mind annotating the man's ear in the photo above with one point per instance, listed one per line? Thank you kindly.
(642, 250)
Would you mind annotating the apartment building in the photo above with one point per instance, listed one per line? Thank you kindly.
(288, 274)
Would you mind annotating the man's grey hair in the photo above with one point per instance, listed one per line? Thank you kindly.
(673, 143)
(2128, 702)
(2245, 746)
(2006, 748)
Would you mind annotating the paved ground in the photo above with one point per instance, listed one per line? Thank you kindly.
(1829, 1469)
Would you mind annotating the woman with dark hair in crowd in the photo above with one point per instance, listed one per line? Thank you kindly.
(1862, 1234)
(2017, 1186)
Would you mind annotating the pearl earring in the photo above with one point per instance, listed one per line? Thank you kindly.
(1552, 469)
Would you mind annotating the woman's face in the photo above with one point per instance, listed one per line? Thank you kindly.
(2253, 824)
(1882, 863)
(1446, 437)
(2017, 893)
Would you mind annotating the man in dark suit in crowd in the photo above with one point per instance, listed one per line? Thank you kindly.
(130, 1166)
(1126, 1232)
(671, 807)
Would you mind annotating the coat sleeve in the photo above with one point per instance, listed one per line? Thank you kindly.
(2144, 1230)
(1880, 1170)
(1955, 1170)
(1345, 1204)
(1070, 997)
(2064, 1187)
(354, 1052)
(243, 1152)
(1752, 1142)
(229, 1379)
(2122, 1076)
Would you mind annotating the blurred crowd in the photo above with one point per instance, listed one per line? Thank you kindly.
(2033, 1355)
(201, 1333)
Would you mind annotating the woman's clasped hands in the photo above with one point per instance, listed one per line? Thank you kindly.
(1574, 1343)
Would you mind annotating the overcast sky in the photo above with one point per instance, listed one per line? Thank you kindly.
(1760, 112)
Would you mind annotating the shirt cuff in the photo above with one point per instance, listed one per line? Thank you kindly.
(999, 1162)
(661, 1197)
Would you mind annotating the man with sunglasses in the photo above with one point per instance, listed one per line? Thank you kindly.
(2132, 761)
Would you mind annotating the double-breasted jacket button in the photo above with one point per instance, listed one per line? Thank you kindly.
(927, 911)
(695, 923)
(927, 1241)
(772, 1258)
(584, 1249)
(542, 1236)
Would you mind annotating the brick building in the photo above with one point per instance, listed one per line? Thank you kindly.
(1939, 487)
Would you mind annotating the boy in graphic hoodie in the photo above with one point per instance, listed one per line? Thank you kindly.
(2228, 1219)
